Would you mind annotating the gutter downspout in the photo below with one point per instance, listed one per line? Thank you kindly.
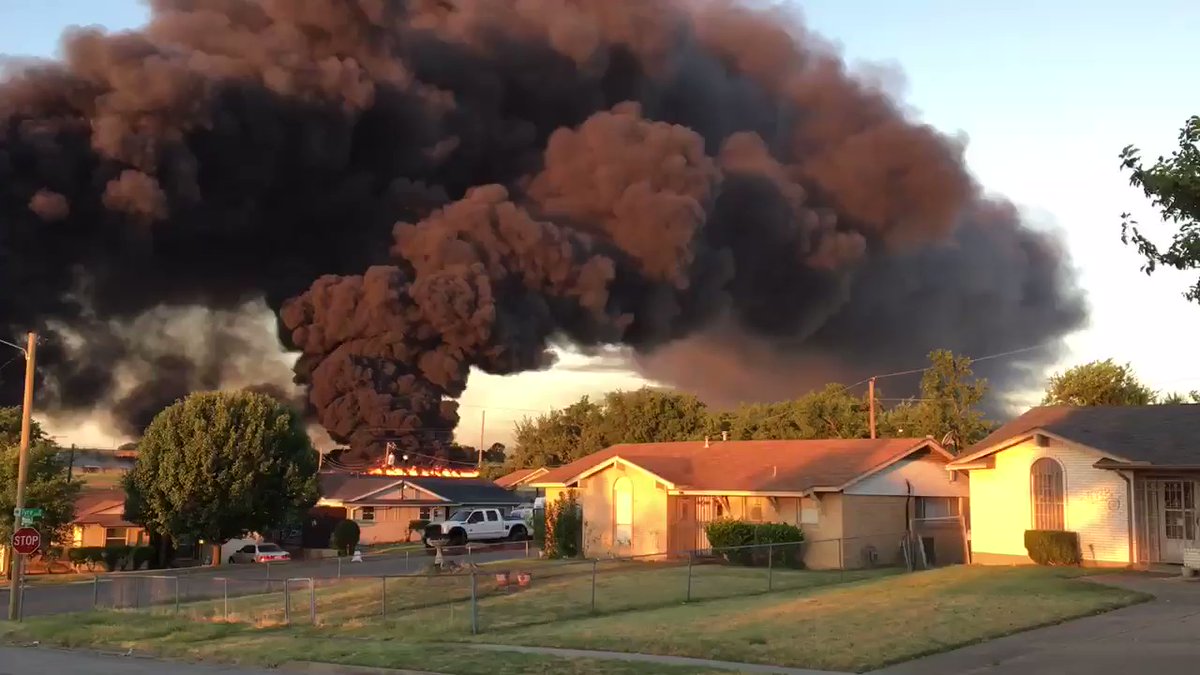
(1131, 521)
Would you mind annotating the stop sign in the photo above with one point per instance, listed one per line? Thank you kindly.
(26, 540)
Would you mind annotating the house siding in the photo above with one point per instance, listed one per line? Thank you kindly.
(873, 522)
(1096, 504)
(649, 531)
(923, 475)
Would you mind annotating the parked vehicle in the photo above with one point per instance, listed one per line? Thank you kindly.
(467, 525)
(260, 552)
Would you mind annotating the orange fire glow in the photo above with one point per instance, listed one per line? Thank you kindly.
(423, 472)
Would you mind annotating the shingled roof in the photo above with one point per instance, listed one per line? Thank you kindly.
(357, 488)
(752, 466)
(1160, 435)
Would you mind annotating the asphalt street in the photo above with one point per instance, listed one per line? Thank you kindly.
(136, 589)
(37, 661)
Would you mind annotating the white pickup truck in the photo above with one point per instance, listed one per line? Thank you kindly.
(466, 525)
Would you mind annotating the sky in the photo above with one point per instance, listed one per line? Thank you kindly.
(1047, 94)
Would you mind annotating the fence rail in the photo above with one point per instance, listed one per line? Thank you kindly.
(496, 588)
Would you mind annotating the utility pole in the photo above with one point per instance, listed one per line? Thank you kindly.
(871, 404)
(482, 422)
(18, 563)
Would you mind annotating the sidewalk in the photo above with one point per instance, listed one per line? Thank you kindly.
(1157, 637)
(651, 658)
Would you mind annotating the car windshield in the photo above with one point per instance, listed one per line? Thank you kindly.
(460, 515)
(268, 548)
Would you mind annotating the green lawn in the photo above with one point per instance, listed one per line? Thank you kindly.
(242, 644)
(819, 620)
(856, 627)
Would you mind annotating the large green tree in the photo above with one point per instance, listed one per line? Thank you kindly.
(649, 415)
(217, 465)
(1097, 383)
(559, 436)
(47, 486)
(832, 412)
(948, 408)
(1172, 184)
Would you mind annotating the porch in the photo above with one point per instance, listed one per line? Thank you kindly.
(1166, 518)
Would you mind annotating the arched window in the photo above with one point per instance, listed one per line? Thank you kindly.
(623, 511)
(1046, 490)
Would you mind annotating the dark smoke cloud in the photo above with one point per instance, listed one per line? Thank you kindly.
(423, 187)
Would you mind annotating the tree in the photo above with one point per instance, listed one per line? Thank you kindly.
(47, 486)
(1097, 383)
(217, 465)
(832, 412)
(559, 436)
(948, 407)
(345, 537)
(1172, 184)
(1177, 398)
(649, 415)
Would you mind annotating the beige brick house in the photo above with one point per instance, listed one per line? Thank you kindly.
(854, 499)
(1125, 478)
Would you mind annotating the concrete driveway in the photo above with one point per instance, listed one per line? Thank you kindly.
(1160, 637)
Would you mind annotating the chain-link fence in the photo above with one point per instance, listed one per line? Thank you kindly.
(482, 593)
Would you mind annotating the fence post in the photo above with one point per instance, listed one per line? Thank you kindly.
(287, 604)
(225, 594)
(526, 548)
(339, 559)
(770, 567)
(474, 607)
(95, 591)
(841, 560)
(594, 586)
(691, 554)
(312, 602)
(384, 604)
(406, 562)
(177, 594)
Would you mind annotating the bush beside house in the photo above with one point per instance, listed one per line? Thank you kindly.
(745, 543)
(417, 527)
(564, 527)
(345, 537)
(1053, 547)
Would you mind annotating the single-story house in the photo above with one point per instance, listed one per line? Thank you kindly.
(856, 500)
(383, 506)
(100, 521)
(1125, 478)
(520, 482)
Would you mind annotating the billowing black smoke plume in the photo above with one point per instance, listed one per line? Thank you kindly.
(419, 187)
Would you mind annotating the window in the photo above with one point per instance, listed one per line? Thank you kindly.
(249, 548)
(424, 513)
(492, 517)
(1046, 490)
(810, 511)
(623, 511)
(754, 509)
(367, 513)
(77, 536)
(114, 536)
(936, 507)
(476, 517)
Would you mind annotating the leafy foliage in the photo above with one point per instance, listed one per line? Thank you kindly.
(744, 543)
(86, 556)
(346, 535)
(564, 527)
(1172, 184)
(217, 465)
(1053, 547)
(46, 487)
(1098, 383)
(1176, 398)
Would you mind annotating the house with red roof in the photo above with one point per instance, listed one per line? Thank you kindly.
(100, 521)
(858, 501)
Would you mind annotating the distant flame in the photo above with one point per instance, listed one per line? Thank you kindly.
(422, 472)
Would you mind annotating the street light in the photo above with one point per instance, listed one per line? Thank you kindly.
(18, 562)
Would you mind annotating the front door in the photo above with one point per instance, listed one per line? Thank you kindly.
(1177, 526)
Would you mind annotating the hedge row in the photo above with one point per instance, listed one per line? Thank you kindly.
(745, 543)
(113, 558)
(1053, 547)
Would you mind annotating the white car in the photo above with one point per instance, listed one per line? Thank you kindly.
(476, 525)
(261, 552)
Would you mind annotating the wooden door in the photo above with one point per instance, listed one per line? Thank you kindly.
(1177, 522)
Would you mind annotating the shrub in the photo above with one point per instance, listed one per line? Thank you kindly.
(1053, 547)
(564, 527)
(345, 537)
(116, 557)
(86, 556)
(744, 543)
(418, 526)
(141, 555)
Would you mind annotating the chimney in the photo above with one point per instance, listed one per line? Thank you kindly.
(706, 441)
(724, 435)
(774, 471)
